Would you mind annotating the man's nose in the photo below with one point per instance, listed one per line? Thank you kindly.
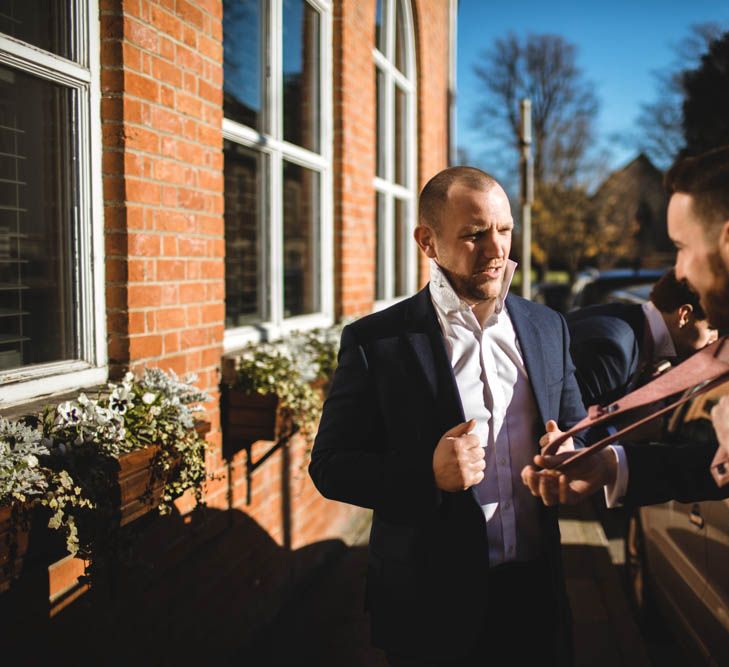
(492, 245)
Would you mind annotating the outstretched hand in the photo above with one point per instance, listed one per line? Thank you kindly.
(568, 487)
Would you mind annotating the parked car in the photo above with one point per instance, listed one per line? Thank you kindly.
(593, 286)
(677, 554)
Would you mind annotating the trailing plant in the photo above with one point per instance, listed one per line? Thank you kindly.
(26, 481)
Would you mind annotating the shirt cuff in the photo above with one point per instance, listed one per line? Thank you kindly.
(615, 492)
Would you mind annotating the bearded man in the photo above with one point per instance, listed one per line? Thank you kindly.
(698, 225)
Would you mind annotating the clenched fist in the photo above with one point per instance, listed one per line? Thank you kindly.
(458, 459)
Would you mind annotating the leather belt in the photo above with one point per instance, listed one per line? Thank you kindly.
(700, 373)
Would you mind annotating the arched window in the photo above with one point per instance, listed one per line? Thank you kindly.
(396, 168)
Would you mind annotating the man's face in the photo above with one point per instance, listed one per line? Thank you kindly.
(473, 241)
(702, 260)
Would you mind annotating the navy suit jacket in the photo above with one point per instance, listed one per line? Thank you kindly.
(605, 343)
(392, 398)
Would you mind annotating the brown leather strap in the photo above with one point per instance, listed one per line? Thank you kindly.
(586, 452)
(702, 371)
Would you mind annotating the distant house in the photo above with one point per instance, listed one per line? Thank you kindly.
(633, 198)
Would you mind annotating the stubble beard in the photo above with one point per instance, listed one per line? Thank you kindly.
(473, 289)
(715, 301)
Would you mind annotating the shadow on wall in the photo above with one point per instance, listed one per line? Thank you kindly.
(194, 588)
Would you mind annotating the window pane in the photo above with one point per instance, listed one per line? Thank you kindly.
(400, 43)
(242, 65)
(379, 31)
(244, 239)
(301, 105)
(38, 182)
(381, 247)
(47, 24)
(301, 221)
(401, 135)
(401, 247)
(380, 121)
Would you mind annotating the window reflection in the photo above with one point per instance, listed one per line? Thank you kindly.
(301, 74)
(380, 122)
(243, 235)
(382, 246)
(400, 43)
(38, 186)
(46, 24)
(242, 66)
(301, 220)
(379, 32)
(400, 138)
(401, 240)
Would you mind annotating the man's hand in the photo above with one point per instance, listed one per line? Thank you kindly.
(552, 434)
(579, 481)
(458, 459)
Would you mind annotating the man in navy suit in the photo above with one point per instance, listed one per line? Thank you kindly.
(435, 407)
(698, 225)
(616, 346)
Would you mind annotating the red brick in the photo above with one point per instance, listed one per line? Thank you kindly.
(144, 295)
(143, 347)
(141, 86)
(170, 269)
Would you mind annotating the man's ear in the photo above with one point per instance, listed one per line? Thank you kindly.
(685, 314)
(724, 244)
(425, 238)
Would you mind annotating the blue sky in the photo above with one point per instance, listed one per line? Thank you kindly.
(620, 43)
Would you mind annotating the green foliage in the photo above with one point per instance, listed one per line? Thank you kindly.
(288, 368)
(69, 463)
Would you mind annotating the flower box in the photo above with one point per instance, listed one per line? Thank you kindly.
(139, 491)
(248, 417)
(13, 546)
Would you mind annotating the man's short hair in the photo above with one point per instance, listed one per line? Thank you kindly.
(669, 294)
(706, 178)
(435, 193)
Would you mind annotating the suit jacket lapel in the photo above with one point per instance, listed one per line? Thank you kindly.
(426, 341)
(531, 350)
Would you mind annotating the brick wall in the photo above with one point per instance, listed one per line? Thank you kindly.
(354, 156)
(431, 35)
(208, 580)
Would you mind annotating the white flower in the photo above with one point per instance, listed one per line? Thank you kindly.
(70, 413)
(148, 398)
(31, 460)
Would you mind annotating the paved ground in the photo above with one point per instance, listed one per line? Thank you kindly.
(327, 626)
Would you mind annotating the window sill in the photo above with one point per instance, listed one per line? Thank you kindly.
(26, 397)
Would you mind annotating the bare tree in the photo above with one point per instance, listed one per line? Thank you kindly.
(660, 121)
(542, 68)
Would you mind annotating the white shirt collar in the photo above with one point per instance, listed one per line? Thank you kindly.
(445, 297)
(663, 347)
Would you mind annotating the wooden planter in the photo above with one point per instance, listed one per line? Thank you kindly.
(248, 417)
(139, 492)
(13, 547)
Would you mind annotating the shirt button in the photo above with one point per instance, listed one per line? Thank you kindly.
(502, 461)
(511, 550)
(507, 505)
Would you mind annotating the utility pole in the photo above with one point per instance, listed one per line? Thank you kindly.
(527, 196)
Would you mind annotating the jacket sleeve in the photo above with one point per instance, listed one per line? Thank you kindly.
(659, 472)
(571, 407)
(353, 460)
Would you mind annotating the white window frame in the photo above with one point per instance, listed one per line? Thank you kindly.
(83, 76)
(272, 145)
(386, 185)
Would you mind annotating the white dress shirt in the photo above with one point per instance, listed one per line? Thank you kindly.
(495, 391)
(663, 348)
